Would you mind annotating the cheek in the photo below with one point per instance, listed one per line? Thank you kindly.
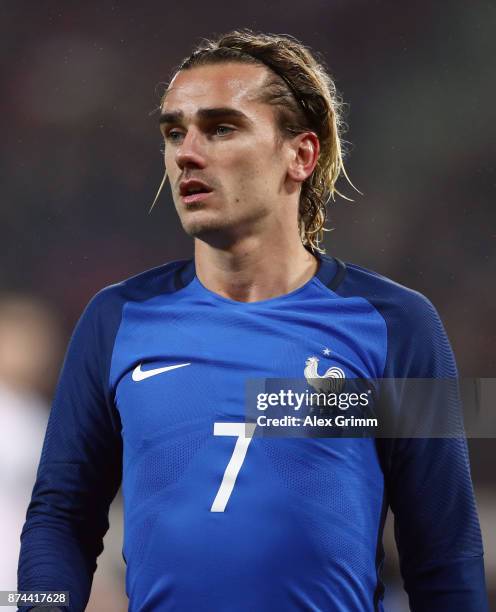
(254, 169)
(260, 176)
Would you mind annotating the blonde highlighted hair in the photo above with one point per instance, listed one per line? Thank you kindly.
(305, 99)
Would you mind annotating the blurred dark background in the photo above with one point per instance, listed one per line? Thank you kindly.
(81, 163)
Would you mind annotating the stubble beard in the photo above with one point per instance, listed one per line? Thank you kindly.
(220, 230)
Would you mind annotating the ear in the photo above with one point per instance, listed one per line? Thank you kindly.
(305, 149)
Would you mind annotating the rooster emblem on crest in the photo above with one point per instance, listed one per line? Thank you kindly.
(331, 382)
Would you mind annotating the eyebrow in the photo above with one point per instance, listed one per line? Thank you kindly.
(203, 113)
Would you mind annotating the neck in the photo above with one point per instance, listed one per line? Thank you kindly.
(253, 269)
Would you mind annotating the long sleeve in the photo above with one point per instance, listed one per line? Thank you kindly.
(80, 466)
(428, 479)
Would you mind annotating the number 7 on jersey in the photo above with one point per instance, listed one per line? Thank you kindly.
(244, 433)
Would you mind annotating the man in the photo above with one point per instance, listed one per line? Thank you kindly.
(153, 386)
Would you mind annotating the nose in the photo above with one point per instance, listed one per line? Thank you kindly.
(189, 154)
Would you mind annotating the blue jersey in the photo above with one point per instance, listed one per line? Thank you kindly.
(152, 393)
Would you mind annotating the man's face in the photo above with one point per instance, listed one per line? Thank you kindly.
(225, 162)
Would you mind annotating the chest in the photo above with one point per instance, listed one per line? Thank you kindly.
(174, 364)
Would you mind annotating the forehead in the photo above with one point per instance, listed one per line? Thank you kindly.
(216, 85)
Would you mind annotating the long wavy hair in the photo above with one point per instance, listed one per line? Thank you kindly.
(305, 99)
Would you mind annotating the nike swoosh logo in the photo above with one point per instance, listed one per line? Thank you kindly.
(138, 373)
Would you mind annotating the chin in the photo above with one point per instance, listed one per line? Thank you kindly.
(201, 223)
(212, 229)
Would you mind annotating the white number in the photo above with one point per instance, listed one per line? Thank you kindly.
(244, 433)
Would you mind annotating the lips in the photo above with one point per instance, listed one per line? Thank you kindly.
(193, 190)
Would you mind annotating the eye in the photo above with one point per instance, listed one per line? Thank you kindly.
(223, 130)
(174, 136)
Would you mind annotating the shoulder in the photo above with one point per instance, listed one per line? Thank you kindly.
(417, 339)
(395, 302)
(102, 316)
(167, 278)
(361, 282)
(94, 335)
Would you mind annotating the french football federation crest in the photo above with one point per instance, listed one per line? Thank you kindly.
(330, 382)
